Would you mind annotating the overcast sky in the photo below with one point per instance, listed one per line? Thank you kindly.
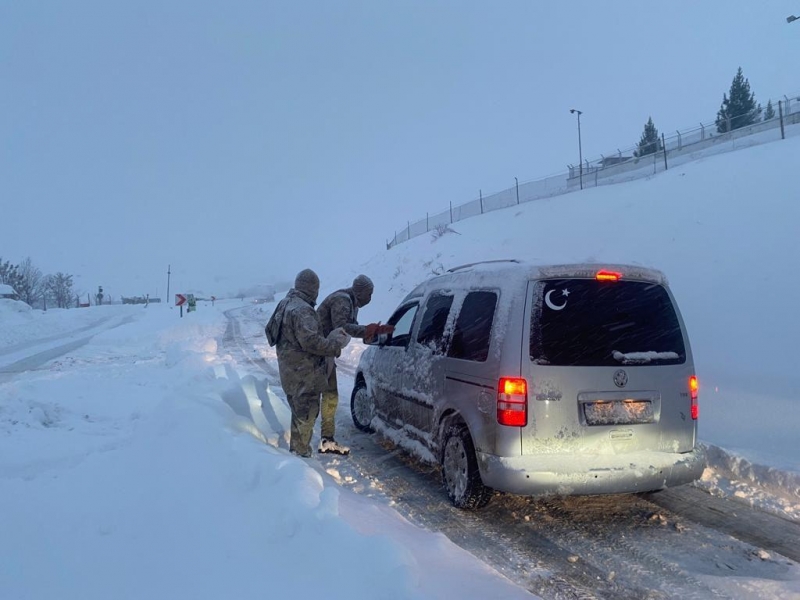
(241, 142)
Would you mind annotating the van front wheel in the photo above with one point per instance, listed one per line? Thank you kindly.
(362, 408)
(460, 474)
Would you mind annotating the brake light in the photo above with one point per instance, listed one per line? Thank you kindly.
(608, 276)
(512, 402)
(694, 386)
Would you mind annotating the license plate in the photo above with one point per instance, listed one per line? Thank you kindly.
(618, 412)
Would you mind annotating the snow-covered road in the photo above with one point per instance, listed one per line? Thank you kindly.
(152, 462)
(677, 543)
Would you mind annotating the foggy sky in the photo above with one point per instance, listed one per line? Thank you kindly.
(241, 142)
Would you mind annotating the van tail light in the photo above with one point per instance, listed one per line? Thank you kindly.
(694, 386)
(607, 276)
(512, 402)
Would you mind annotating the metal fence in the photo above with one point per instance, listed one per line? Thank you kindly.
(627, 164)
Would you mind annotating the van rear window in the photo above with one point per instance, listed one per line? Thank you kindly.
(583, 322)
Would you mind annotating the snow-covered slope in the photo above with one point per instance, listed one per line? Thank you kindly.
(724, 229)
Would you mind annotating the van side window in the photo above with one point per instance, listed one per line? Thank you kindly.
(403, 321)
(431, 330)
(473, 329)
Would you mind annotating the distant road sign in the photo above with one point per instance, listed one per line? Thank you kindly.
(180, 299)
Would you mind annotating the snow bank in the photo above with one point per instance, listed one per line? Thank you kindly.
(123, 474)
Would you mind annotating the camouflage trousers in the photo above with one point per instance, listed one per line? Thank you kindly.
(330, 401)
(305, 408)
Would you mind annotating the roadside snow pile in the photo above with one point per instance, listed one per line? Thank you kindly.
(12, 309)
(124, 474)
(764, 487)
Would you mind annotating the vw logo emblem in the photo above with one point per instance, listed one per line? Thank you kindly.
(620, 378)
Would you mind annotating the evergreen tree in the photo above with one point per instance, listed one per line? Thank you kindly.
(649, 142)
(769, 112)
(739, 108)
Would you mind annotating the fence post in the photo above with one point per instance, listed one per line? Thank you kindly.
(480, 193)
(451, 212)
(664, 146)
(680, 141)
(780, 112)
(409, 230)
(728, 121)
(702, 132)
(516, 181)
(427, 224)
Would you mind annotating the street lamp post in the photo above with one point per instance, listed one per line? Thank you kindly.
(580, 150)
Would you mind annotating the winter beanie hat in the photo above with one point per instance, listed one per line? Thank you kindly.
(362, 288)
(308, 283)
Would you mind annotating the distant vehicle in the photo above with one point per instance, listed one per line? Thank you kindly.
(538, 380)
(8, 292)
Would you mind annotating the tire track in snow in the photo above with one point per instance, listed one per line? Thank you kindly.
(596, 547)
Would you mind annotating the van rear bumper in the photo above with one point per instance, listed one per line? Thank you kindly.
(585, 474)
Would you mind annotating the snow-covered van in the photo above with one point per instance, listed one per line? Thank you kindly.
(538, 380)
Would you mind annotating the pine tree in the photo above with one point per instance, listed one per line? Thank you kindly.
(649, 142)
(769, 112)
(739, 108)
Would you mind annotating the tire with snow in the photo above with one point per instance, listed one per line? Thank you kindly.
(460, 474)
(362, 407)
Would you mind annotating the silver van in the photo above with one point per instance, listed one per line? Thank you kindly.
(537, 380)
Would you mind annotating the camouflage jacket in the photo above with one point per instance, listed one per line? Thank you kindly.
(301, 346)
(339, 309)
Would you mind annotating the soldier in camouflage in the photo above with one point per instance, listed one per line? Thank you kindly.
(340, 310)
(302, 350)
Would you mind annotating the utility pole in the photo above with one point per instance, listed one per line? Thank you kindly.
(580, 149)
(168, 274)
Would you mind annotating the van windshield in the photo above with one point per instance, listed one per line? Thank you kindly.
(583, 322)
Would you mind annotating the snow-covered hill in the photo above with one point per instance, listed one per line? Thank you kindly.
(724, 229)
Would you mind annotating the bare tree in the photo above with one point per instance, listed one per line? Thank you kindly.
(31, 283)
(59, 288)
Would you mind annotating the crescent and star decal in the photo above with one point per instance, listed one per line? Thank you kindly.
(549, 302)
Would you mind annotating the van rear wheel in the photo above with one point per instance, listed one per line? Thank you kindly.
(460, 474)
(362, 408)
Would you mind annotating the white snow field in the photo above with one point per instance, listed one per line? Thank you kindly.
(123, 474)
